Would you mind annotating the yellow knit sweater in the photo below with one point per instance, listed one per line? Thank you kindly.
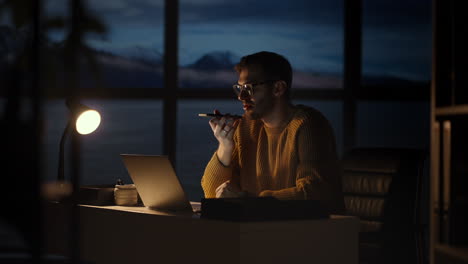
(296, 161)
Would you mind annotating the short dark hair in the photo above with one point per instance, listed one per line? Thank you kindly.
(272, 66)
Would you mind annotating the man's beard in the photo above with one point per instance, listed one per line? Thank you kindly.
(261, 108)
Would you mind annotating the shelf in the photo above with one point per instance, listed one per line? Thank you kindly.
(452, 110)
(456, 253)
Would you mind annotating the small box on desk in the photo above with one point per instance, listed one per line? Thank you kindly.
(261, 209)
(96, 195)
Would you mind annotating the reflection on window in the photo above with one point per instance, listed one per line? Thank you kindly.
(397, 37)
(393, 124)
(195, 141)
(130, 54)
(215, 34)
(127, 126)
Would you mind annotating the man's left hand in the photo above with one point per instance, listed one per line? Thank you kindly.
(228, 190)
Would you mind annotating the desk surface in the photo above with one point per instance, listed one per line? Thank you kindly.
(119, 234)
(144, 210)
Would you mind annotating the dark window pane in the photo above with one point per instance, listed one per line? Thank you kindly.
(215, 34)
(393, 124)
(397, 37)
(127, 126)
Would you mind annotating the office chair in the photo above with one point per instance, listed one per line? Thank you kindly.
(383, 187)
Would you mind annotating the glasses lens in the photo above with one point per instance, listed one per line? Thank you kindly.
(248, 88)
(237, 88)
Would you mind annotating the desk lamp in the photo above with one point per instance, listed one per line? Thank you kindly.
(85, 120)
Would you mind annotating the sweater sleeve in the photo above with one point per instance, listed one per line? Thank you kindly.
(216, 173)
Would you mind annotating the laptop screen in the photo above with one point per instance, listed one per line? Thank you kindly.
(156, 182)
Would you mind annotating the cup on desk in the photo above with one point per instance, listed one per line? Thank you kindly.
(125, 195)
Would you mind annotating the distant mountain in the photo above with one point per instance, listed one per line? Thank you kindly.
(142, 67)
(142, 54)
(218, 60)
(307, 80)
(118, 71)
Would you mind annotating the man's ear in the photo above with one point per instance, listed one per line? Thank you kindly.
(280, 88)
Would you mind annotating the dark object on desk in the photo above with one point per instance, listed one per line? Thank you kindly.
(96, 195)
(261, 209)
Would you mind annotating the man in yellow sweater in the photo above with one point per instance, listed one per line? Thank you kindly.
(276, 149)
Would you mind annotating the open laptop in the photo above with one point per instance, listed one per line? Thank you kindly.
(156, 182)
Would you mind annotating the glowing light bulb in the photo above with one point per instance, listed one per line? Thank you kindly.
(88, 121)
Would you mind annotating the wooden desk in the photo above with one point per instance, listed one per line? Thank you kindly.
(116, 234)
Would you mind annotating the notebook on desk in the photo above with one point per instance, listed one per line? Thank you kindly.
(156, 182)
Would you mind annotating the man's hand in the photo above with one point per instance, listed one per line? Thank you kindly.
(228, 190)
(223, 130)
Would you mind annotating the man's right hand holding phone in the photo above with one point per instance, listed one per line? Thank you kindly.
(223, 130)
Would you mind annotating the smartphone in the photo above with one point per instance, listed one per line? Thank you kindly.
(220, 116)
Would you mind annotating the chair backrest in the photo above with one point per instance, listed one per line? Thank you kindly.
(382, 186)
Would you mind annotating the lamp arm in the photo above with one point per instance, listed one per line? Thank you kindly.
(61, 167)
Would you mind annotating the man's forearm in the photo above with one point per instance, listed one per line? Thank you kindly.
(224, 154)
(215, 174)
(292, 193)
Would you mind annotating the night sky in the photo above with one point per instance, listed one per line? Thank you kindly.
(396, 34)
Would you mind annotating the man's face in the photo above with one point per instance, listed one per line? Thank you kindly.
(261, 102)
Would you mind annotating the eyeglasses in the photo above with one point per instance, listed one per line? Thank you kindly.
(248, 87)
